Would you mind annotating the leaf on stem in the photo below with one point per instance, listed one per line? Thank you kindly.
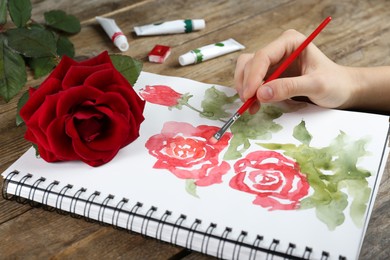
(42, 65)
(20, 11)
(32, 42)
(3, 12)
(65, 47)
(130, 68)
(23, 100)
(12, 71)
(59, 20)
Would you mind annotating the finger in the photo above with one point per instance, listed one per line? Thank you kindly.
(254, 107)
(242, 60)
(285, 88)
(272, 54)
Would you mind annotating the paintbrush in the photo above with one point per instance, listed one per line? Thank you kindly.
(214, 139)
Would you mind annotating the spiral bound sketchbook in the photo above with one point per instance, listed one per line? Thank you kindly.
(292, 181)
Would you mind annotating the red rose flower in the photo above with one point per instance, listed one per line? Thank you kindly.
(83, 111)
(185, 151)
(275, 180)
(161, 95)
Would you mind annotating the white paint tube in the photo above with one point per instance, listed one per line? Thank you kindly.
(114, 32)
(170, 27)
(210, 51)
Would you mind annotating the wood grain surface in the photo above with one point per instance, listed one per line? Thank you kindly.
(359, 35)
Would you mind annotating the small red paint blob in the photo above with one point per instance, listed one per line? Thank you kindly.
(159, 53)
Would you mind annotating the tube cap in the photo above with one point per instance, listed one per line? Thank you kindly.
(198, 24)
(121, 42)
(187, 58)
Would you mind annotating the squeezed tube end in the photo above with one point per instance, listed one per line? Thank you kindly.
(186, 59)
(121, 42)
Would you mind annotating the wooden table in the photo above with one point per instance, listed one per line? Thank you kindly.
(359, 35)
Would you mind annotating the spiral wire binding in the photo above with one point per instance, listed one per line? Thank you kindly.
(117, 211)
(145, 221)
(221, 243)
(46, 194)
(176, 227)
(31, 194)
(238, 244)
(160, 224)
(88, 205)
(60, 198)
(147, 218)
(191, 233)
(102, 209)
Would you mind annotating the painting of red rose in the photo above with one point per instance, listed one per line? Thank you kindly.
(83, 111)
(184, 150)
(160, 95)
(275, 180)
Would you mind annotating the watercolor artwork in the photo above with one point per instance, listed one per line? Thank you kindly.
(293, 172)
(278, 176)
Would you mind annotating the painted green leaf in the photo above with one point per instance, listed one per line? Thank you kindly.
(32, 42)
(59, 20)
(334, 177)
(191, 187)
(12, 71)
(214, 104)
(130, 68)
(23, 99)
(20, 11)
(42, 66)
(259, 126)
(65, 47)
(332, 213)
(301, 134)
(3, 12)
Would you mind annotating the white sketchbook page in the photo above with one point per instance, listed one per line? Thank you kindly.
(131, 175)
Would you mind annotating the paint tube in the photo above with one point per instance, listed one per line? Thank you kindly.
(210, 51)
(114, 32)
(170, 27)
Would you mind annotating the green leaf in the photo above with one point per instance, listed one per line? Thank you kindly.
(65, 47)
(32, 42)
(191, 187)
(59, 20)
(42, 66)
(12, 71)
(3, 12)
(214, 104)
(130, 68)
(20, 11)
(301, 134)
(23, 100)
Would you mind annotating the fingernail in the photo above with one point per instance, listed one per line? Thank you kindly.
(266, 92)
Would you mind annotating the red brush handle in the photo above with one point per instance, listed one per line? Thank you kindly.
(287, 62)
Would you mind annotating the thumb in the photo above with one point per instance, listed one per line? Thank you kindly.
(285, 88)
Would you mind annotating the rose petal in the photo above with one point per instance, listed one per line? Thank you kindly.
(60, 143)
(86, 154)
(115, 102)
(73, 97)
(51, 87)
(116, 132)
(136, 104)
(105, 78)
(77, 75)
(60, 71)
(102, 58)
